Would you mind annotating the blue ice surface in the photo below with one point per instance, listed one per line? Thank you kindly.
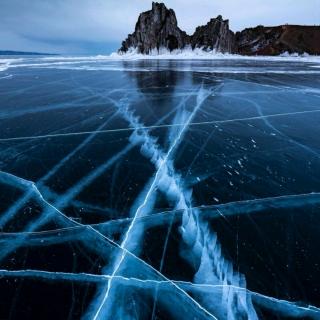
(159, 189)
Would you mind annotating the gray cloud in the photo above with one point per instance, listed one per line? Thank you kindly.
(84, 26)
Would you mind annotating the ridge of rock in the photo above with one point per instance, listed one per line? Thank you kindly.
(158, 28)
(276, 40)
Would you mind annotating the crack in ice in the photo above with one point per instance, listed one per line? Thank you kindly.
(139, 211)
(58, 135)
(285, 307)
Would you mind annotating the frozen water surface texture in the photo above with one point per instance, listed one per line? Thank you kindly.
(159, 188)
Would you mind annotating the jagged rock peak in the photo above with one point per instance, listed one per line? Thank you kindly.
(155, 29)
(215, 35)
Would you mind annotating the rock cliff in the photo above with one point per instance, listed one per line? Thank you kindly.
(158, 28)
(276, 40)
(215, 35)
(155, 29)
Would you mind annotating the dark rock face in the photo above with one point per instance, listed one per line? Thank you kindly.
(276, 40)
(155, 29)
(215, 35)
(158, 28)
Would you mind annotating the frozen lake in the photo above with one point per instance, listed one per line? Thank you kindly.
(159, 189)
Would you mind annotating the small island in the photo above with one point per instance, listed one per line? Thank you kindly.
(158, 29)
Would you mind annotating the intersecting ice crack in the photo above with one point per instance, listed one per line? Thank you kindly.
(273, 128)
(290, 309)
(161, 165)
(64, 200)
(191, 225)
(9, 213)
(47, 214)
(282, 306)
(57, 135)
(166, 217)
(10, 179)
(203, 243)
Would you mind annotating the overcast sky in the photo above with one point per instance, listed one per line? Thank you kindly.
(99, 26)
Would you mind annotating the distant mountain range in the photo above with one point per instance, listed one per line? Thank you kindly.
(20, 53)
(158, 28)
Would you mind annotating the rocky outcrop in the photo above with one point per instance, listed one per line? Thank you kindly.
(155, 29)
(158, 28)
(215, 35)
(276, 40)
